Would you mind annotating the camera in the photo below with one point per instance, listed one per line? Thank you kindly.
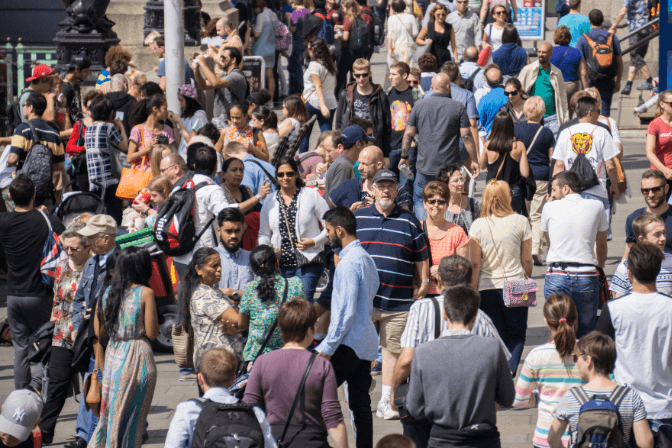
(162, 139)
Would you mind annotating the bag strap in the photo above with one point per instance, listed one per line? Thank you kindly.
(502, 165)
(270, 178)
(535, 138)
(302, 385)
(200, 402)
(275, 324)
(618, 394)
(211, 220)
(562, 58)
(283, 206)
(437, 318)
(580, 395)
(51, 230)
(33, 132)
(494, 244)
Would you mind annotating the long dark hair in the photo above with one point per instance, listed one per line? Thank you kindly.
(502, 135)
(515, 82)
(322, 54)
(193, 106)
(190, 281)
(288, 160)
(110, 265)
(141, 110)
(267, 115)
(296, 108)
(262, 262)
(134, 265)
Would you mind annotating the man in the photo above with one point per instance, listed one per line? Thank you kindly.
(174, 168)
(577, 23)
(571, 260)
(457, 380)
(470, 71)
(352, 140)
(597, 145)
(23, 233)
(420, 328)
(572, 105)
(638, 324)
(160, 44)
(649, 228)
(638, 16)
(100, 231)
(230, 87)
(121, 99)
(481, 85)
(402, 97)
(259, 175)
(545, 80)
(352, 343)
(34, 107)
(20, 415)
(41, 81)
(236, 271)
(463, 96)
(465, 22)
(654, 189)
(78, 71)
(608, 81)
(227, 31)
(491, 102)
(439, 121)
(217, 372)
(394, 239)
(366, 100)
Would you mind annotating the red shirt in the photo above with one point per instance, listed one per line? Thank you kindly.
(663, 134)
(72, 148)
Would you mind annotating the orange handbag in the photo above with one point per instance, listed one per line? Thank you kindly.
(134, 179)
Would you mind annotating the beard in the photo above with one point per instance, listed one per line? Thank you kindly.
(229, 248)
(386, 203)
(336, 243)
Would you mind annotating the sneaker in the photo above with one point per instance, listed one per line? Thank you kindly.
(188, 377)
(386, 412)
(627, 89)
(380, 409)
(376, 368)
(645, 86)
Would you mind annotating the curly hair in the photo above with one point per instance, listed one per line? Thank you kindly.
(322, 54)
(427, 62)
(118, 59)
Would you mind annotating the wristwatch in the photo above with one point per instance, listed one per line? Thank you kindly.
(235, 296)
(425, 280)
(258, 196)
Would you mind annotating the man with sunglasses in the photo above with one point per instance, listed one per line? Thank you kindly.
(654, 189)
(467, 26)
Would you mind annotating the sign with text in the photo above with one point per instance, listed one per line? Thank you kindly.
(530, 20)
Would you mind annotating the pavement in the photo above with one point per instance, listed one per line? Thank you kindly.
(516, 426)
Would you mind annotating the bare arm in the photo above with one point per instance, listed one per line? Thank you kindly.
(526, 256)
(134, 153)
(556, 432)
(558, 167)
(407, 141)
(422, 270)
(484, 14)
(420, 40)
(162, 83)
(548, 240)
(259, 149)
(523, 163)
(320, 94)
(464, 252)
(339, 435)
(601, 248)
(621, 15)
(628, 246)
(402, 369)
(643, 434)
(453, 43)
(483, 158)
(151, 317)
(50, 112)
(476, 261)
(583, 71)
(243, 321)
(612, 172)
(514, 7)
(470, 146)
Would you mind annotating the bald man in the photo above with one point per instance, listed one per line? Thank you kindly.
(543, 79)
(491, 102)
(439, 121)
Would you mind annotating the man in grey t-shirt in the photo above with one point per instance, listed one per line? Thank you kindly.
(230, 87)
(352, 140)
(439, 121)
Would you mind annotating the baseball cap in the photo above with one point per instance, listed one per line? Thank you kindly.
(104, 224)
(353, 134)
(385, 175)
(39, 71)
(20, 413)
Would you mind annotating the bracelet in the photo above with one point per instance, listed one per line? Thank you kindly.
(404, 156)
(425, 280)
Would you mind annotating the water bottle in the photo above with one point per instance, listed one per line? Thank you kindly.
(407, 172)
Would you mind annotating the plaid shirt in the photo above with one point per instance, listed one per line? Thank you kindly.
(100, 140)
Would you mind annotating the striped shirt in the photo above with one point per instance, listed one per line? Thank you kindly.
(545, 378)
(630, 410)
(395, 242)
(420, 326)
(22, 141)
(620, 283)
(101, 140)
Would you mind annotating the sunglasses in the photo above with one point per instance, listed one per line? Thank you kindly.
(498, 13)
(74, 250)
(658, 189)
(288, 174)
(575, 357)
(361, 75)
(511, 93)
(414, 83)
(461, 3)
(436, 202)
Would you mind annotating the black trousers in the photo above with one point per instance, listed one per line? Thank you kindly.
(357, 372)
(60, 375)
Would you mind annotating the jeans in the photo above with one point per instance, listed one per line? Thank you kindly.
(511, 323)
(418, 432)
(606, 89)
(180, 269)
(357, 372)
(551, 122)
(658, 425)
(584, 291)
(309, 275)
(536, 206)
(517, 199)
(295, 69)
(326, 124)
(86, 421)
(420, 181)
(607, 208)
(60, 374)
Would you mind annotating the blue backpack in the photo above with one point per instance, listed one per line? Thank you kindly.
(326, 29)
(600, 423)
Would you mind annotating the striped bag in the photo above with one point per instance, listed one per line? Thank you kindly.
(52, 254)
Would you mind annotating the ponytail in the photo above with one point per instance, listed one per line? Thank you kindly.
(562, 319)
(262, 263)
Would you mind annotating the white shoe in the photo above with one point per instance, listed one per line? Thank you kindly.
(381, 409)
(386, 412)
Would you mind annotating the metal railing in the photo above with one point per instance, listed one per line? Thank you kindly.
(642, 41)
(20, 59)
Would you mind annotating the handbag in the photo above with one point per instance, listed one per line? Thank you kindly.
(93, 390)
(301, 260)
(517, 293)
(484, 54)
(39, 343)
(299, 392)
(183, 346)
(134, 179)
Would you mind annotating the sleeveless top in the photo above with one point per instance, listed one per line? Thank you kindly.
(510, 172)
(440, 43)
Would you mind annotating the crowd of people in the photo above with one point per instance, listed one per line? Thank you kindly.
(367, 254)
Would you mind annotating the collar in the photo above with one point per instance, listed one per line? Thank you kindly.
(573, 197)
(198, 178)
(458, 332)
(102, 259)
(443, 95)
(217, 392)
(346, 250)
(231, 255)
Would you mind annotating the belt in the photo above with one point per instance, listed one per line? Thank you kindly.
(564, 266)
(580, 274)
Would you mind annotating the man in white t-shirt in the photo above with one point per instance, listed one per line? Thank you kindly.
(573, 226)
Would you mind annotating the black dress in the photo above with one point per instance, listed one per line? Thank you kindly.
(440, 43)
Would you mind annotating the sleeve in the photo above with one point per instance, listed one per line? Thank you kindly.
(265, 225)
(527, 229)
(260, 23)
(412, 118)
(162, 68)
(331, 407)
(200, 120)
(78, 303)
(464, 118)
(544, 219)
(346, 24)
(478, 31)
(180, 428)
(617, 46)
(472, 112)
(343, 311)
(526, 396)
(74, 136)
(295, 289)
(254, 394)
(215, 308)
(562, 146)
(320, 207)
(114, 135)
(269, 440)
(419, 242)
(604, 323)
(56, 224)
(638, 409)
(339, 195)
(603, 223)
(169, 133)
(620, 284)
(615, 133)
(244, 306)
(415, 399)
(505, 392)
(629, 232)
(562, 411)
(652, 130)
(462, 239)
(135, 135)
(19, 143)
(411, 335)
(217, 201)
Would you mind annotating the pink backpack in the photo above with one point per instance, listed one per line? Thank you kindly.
(283, 38)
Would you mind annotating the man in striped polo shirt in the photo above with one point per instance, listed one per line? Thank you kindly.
(397, 244)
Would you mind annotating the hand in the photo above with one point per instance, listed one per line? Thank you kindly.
(118, 124)
(402, 162)
(305, 243)
(617, 88)
(200, 59)
(428, 41)
(325, 111)
(668, 173)
(434, 271)
(228, 291)
(73, 335)
(549, 198)
(228, 327)
(265, 189)
(174, 118)
(475, 171)
(88, 313)
(321, 168)
(611, 30)
(357, 205)
(324, 356)
(421, 292)
(153, 142)
(140, 207)
(212, 52)
(43, 208)
(156, 69)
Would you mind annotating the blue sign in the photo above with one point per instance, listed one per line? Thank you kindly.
(530, 20)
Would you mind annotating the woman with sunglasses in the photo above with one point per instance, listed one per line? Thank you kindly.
(492, 33)
(291, 222)
(549, 370)
(659, 137)
(490, 5)
(461, 209)
(439, 34)
(513, 90)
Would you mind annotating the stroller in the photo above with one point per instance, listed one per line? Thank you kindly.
(74, 203)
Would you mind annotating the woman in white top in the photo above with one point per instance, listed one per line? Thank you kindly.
(295, 113)
(489, 5)
(501, 251)
(402, 29)
(319, 83)
(492, 33)
(265, 119)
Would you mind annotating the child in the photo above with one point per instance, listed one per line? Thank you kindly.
(20, 414)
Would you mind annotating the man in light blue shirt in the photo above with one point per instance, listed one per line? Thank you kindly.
(577, 23)
(236, 271)
(217, 373)
(352, 341)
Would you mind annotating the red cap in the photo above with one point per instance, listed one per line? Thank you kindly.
(40, 71)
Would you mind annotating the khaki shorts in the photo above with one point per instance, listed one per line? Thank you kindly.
(390, 325)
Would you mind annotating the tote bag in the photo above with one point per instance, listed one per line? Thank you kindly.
(135, 179)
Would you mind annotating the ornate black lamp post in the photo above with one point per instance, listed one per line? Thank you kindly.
(192, 20)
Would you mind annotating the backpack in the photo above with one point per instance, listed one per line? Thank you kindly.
(39, 166)
(283, 38)
(175, 231)
(469, 82)
(600, 423)
(360, 37)
(378, 28)
(581, 165)
(326, 31)
(227, 426)
(601, 62)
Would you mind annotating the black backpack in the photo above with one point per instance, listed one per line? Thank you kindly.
(378, 28)
(600, 424)
(469, 82)
(360, 37)
(175, 231)
(581, 165)
(227, 426)
(39, 166)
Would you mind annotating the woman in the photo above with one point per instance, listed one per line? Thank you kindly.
(402, 30)
(159, 190)
(240, 131)
(274, 381)
(136, 79)
(296, 114)
(265, 27)
(192, 119)
(492, 33)
(570, 62)
(502, 251)
(233, 171)
(291, 222)
(76, 140)
(539, 142)
(439, 34)
(510, 57)
(128, 317)
(490, 5)
(68, 275)
(319, 82)
(146, 135)
(445, 238)
(207, 314)
(262, 299)
(659, 137)
(549, 371)
(265, 119)
(461, 210)
(158, 153)
(513, 90)
(505, 158)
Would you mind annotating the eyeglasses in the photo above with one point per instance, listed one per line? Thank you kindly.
(414, 83)
(361, 75)
(436, 202)
(461, 3)
(166, 169)
(459, 180)
(498, 13)
(575, 357)
(511, 93)
(288, 174)
(658, 189)
(74, 250)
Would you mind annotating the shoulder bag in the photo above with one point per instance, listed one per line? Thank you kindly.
(183, 346)
(93, 388)
(301, 260)
(134, 179)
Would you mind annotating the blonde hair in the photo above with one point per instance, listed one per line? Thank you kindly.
(151, 37)
(353, 9)
(663, 94)
(592, 91)
(156, 157)
(161, 185)
(496, 199)
(361, 64)
(534, 108)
